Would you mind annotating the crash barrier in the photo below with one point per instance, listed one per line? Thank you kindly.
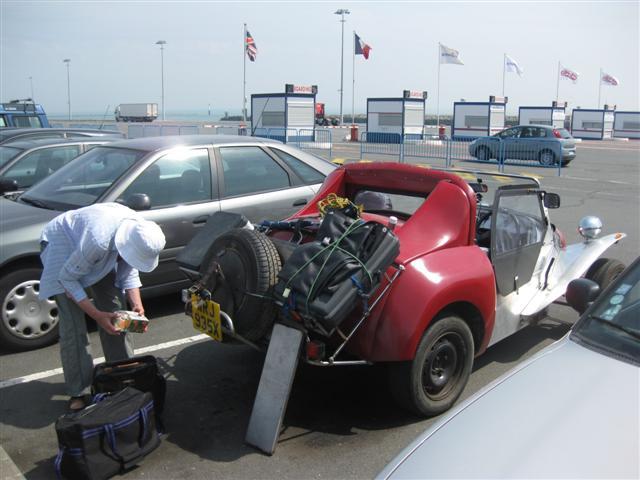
(304, 139)
(520, 152)
(229, 130)
(377, 148)
(110, 126)
(140, 130)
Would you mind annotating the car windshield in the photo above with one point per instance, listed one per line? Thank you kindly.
(613, 325)
(83, 180)
(8, 153)
(564, 133)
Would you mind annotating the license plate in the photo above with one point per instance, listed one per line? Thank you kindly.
(206, 317)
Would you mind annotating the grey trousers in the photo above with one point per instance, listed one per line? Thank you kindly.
(75, 349)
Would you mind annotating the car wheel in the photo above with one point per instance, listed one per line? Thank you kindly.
(547, 158)
(432, 382)
(483, 154)
(27, 322)
(248, 265)
(604, 271)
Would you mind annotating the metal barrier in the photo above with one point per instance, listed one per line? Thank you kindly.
(137, 130)
(376, 148)
(519, 152)
(230, 130)
(315, 140)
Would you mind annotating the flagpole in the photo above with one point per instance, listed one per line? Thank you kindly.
(244, 74)
(599, 87)
(353, 76)
(558, 84)
(504, 70)
(438, 92)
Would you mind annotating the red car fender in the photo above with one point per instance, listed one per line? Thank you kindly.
(427, 286)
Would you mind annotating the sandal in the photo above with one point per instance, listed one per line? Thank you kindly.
(77, 403)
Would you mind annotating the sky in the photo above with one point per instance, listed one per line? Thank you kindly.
(115, 59)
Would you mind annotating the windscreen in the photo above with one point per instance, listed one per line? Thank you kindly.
(84, 180)
(564, 133)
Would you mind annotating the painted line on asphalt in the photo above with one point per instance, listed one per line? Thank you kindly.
(138, 351)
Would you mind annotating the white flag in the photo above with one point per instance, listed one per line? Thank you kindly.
(606, 79)
(512, 66)
(570, 74)
(449, 55)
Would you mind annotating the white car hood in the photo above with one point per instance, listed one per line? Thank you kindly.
(568, 412)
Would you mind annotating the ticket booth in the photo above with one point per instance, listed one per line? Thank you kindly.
(593, 124)
(478, 119)
(287, 116)
(391, 120)
(626, 125)
(553, 115)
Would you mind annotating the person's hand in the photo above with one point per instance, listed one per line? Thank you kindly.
(105, 321)
(139, 309)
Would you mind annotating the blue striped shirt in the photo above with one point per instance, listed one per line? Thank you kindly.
(81, 251)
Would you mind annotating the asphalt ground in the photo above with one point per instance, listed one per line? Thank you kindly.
(340, 422)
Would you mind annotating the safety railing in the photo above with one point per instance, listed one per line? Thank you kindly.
(304, 139)
(530, 152)
(137, 130)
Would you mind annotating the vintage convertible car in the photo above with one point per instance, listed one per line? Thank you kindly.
(419, 268)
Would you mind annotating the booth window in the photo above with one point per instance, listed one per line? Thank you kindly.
(414, 117)
(389, 119)
(597, 125)
(631, 125)
(272, 119)
(476, 121)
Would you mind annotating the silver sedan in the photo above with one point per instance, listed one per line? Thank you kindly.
(176, 181)
(572, 411)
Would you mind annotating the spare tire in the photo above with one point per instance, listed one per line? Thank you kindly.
(248, 269)
(604, 271)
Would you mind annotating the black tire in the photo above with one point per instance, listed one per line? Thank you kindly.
(250, 264)
(547, 158)
(604, 271)
(432, 382)
(483, 154)
(26, 323)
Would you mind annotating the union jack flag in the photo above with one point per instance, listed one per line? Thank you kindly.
(250, 47)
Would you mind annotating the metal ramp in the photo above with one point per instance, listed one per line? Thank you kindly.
(275, 386)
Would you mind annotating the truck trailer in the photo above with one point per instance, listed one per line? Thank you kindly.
(136, 112)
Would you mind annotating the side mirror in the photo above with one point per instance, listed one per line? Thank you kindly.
(8, 185)
(138, 202)
(551, 200)
(581, 293)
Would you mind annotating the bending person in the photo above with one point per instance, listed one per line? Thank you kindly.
(95, 251)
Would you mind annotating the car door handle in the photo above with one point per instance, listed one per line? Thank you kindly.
(300, 202)
(201, 219)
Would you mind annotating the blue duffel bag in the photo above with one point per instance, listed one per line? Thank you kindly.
(109, 436)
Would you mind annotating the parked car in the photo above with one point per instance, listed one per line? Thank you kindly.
(542, 143)
(479, 259)
(25, 162)
(571, 411)
(177, 181)
(13, 134)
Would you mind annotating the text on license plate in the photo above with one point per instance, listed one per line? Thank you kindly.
(206, 317)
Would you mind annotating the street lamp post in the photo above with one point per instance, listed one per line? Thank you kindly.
(31, 83)
(342, 12)
(68, 62)
(162, 43)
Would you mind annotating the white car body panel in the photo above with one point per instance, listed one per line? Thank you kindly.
(567, 412)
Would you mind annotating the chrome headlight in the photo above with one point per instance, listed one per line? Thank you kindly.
(590, 227)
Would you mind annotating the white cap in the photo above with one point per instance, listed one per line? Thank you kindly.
(139, 243)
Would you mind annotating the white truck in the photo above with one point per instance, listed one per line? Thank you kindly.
(136, 112)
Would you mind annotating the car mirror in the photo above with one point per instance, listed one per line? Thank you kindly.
(551, 200)
(138, 202)
(581, 292)
(8, 185)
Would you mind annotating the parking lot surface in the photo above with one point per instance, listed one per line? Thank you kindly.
(340, 422)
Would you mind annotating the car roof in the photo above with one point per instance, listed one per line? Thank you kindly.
(9, 132)
(28, 143)
(159, 143)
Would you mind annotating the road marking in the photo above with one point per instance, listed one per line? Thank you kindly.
(138, 351)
